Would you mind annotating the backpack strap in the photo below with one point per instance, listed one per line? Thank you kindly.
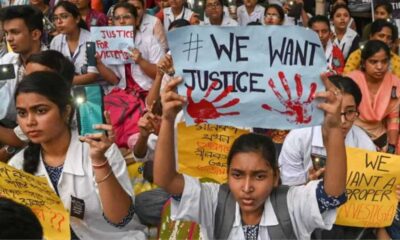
(284, 230)
(225, 213)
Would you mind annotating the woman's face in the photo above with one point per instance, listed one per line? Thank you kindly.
(214, 10)
(139, 8)
(64, 21)
(122, 17)
(272, 17)
(39, 118)
(176, 4)
(381, 13)
(341, 18)
(377, 65)
(349, 113)
(251, 181)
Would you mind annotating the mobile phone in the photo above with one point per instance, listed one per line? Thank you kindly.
(198, 7)
(7, 72)
(89, 104)
(318, 161)
(232, 8)
(295, 9)
(91, 54)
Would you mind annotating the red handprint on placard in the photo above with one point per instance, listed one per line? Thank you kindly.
(204, 109)
(296, 110)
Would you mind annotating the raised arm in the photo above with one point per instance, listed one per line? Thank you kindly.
(336, 169)
(165, 174)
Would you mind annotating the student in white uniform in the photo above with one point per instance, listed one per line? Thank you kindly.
(71, 41)
(345, 38)
(88, 173)
(274, 15)
(250, 11)
(176, 11)
(253, 176)
(295, 158)
(216, 15)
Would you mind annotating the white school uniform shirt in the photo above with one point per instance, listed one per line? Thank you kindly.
(256, 16)
(59, 43)
(151, 51)
(295, 157)
(186, 14)
(227, 21)
(346, 42)
(152, 26)
(6, 3)
(77, 179)
(199, 202)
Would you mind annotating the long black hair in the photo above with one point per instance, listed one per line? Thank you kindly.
(73, 10)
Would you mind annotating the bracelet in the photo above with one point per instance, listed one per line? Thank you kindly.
(101, 165)
(105, 178)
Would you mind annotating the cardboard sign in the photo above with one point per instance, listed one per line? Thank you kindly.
(233, 73)
(371, 182)
(114, 44)
(36, 193)
(203, 150)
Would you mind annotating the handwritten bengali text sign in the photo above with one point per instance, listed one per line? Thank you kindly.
(36, 193)
(371, 182)
(203, 149)
(113, 43)
(251, 77)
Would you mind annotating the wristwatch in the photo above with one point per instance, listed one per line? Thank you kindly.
(391, 149)
(10, 150)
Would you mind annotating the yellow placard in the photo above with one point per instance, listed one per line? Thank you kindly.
(203, 149)
(36, 193)
(370, 186)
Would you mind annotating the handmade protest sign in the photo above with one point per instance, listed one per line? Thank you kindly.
(36, 193)
(371, 181)
(113, 43)
(203, 150)
(252, 77)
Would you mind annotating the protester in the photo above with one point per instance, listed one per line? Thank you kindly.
(88, 173)
(216, 15)
(380, 30)
(382, 10)
(250, 11)
(89, 15)
(176, 10)
(18, 221)
(345, 38)
(379, 109)
(333, 54)
(274, 15)
(71, 41)
(253, 177)
(352, 23)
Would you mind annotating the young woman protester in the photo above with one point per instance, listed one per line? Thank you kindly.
(88, 173)
(253, 180)
(274, 15)
(216, 15)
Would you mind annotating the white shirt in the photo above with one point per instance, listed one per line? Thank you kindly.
(6, 3)
(295, 157)
(151, 51)
(199, 202)
(346, 42)
(152, 26)
(77, 179)
(226, 21)
(256, 16)
(59, 43)
(186, 14)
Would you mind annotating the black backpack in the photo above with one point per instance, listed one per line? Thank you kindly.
(225, 214)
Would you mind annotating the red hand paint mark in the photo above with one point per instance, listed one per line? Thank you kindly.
(296, 110)
(59, 223)
(205, 109)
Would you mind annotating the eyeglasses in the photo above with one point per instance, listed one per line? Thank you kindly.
(213, 5)
(62, 16)
(271, 15)
(350, 115)
(125, 17)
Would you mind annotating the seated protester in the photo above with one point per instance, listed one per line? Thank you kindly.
(300, 145)
(334, 57)
(301, 20)
(177, 10)
(352, 23)
(250, 11)
(18, 221)
(49, 60)
(379, 109)
(345, 38)
(23, 27)
(86, 172)
(71, 41)
(131, 81)
(274, 15)
(380, 30)
(216, 15)
(150, 25)
(382, 10)
(250, 197)
(90, 16)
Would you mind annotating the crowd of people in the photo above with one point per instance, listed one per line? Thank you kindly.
(270, 172)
